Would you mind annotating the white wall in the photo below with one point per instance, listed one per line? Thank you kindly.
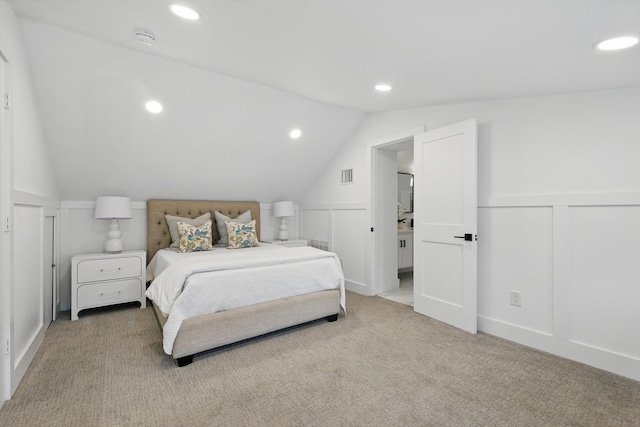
(82, 234)
(28, 193)
(559, 193)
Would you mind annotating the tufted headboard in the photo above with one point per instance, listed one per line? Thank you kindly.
(158, 236)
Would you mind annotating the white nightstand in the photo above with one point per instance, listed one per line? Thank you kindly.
(104, 279)
(290, 243)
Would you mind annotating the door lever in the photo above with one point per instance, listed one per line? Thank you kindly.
(468, 237)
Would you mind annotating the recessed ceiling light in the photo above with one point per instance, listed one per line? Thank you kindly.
(383, 87)
(153, 107)
(295, 134)
(184, 12)
(617, 43)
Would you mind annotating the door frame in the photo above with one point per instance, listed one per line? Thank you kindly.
(382, 260)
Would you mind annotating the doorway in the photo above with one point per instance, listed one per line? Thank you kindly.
(386, 241)
(404, 243)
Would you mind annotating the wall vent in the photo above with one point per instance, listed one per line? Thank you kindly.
(347, 176)
(319, 244)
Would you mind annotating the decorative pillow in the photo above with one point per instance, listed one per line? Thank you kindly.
(195, 238)
(221, 219)
(172, 222)
(242, 235)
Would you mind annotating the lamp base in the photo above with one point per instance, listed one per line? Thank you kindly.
(284, 235)
(113, 244)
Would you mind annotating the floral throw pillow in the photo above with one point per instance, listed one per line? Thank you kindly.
(242, 235)
(195, 238)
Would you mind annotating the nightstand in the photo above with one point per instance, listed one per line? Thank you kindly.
(105, 279)
(290, 243)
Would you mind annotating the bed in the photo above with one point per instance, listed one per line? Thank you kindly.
(205, 300)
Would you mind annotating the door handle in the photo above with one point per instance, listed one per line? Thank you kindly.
(468, 237)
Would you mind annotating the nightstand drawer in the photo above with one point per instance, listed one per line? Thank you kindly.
(108, 269)
(99, 294)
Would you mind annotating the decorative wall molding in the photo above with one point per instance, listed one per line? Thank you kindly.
(608, 198)
(335, 206)
(600, 358)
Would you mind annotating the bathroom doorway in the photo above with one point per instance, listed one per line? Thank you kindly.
(404, 244)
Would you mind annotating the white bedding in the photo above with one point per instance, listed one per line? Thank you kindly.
(193, 284)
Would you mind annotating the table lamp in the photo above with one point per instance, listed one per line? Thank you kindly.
(283, 210)
(113, 208)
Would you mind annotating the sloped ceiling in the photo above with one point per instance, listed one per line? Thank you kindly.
(218, 137)
(235, 82)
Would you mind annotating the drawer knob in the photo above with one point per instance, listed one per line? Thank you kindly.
(102, 270)
(110, 293)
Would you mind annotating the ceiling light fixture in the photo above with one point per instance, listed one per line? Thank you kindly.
(617, 43)
(153, 107)
(184, 12)
(295, 133)
(383, 87)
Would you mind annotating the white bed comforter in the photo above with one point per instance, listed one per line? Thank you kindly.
(190, 285)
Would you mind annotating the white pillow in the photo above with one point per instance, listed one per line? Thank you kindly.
(172, 222)
(243, 218)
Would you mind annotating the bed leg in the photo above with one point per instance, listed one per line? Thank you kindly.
(332, 318)
(184, 361)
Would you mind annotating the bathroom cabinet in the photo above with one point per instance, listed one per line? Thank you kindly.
(405, 249)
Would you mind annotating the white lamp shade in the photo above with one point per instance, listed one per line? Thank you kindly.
(282, 209)
(110, 207)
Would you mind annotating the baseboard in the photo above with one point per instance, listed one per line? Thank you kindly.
(24, 360)
(619, 364)
(357, 287)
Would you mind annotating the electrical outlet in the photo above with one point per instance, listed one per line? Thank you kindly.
(515, 298)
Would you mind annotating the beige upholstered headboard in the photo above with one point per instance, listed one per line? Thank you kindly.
(158, 236)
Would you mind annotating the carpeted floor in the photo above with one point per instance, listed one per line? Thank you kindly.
(381, 365)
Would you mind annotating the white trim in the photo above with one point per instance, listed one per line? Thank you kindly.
(26, 198)
(603, 359)
(6, 257)
(354, 286)
(561, 253)
(375, 253)
(91, 204)
(397, 137)
(569, 199)
(335, 207)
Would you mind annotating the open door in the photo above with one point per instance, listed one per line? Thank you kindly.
(445, 225)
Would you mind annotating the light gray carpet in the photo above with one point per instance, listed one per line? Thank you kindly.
(381, 365)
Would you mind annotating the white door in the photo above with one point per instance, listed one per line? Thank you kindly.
(48, 271)
(445, 225)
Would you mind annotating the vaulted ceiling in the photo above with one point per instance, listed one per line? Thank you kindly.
(235, 82)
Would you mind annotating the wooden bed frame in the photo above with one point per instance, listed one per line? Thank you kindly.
(210, 331)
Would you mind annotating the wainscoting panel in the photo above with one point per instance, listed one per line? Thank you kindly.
(515, 254)
(574, 260)
(605, 277)
(27, 299)
(349, 227)
(345, 228)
